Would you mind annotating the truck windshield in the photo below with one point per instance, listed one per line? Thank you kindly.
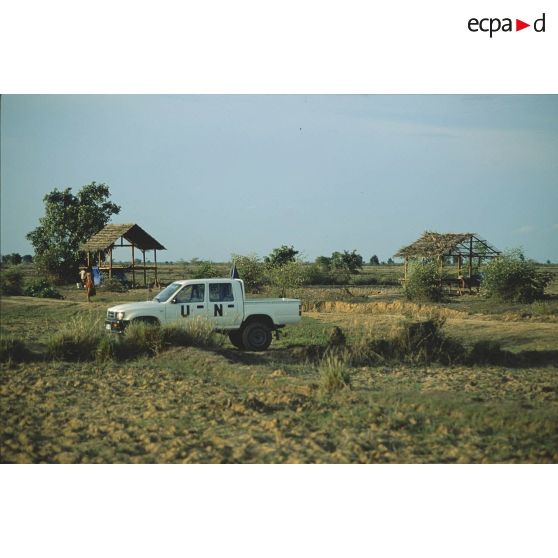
(167, 292)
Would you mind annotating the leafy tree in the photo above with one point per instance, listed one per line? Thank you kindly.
(27, 259)
(11, 259)
(281, 256)
(69, 221)
(251, 270)
(390, 261)
(290, 275)
(323, 263)
(512, 278)
(346, 262)
(374, 260)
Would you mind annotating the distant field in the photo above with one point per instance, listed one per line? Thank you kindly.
(226, 406)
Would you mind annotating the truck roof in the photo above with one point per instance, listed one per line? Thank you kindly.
(212, 279)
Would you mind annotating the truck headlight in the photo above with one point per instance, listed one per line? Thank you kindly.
(120, 315)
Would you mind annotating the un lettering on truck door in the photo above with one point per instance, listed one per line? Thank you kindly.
(223, 310)
(188, 303)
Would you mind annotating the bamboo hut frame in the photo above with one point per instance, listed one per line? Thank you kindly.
(118, 236)
(460, 246)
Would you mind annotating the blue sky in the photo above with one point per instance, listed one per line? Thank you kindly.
(212, 175)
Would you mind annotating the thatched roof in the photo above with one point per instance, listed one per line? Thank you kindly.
(134, 234)
(433, 244)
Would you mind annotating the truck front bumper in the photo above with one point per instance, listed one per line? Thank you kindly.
(116, 326)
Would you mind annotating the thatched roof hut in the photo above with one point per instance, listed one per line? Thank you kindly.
(116, 236)
(433, 245)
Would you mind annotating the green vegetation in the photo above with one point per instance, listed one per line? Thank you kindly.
(42, 289)
(335, 373)
(281, 256)
(512, 278)
(204, 270)
(68, 222)
(423, 282)
(366, 377)
(11, 282)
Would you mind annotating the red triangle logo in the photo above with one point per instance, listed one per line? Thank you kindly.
(519, 25)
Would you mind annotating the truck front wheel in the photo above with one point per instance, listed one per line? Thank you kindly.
(256, 336)
(236, 339)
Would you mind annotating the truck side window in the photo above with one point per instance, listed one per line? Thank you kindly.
(191, 293)
(220, 292)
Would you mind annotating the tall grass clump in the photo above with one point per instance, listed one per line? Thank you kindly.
(77, 341)
(335, 374)
(512, 278)
(414, 342)
(423, 283)
(198, 332)
(139, 339)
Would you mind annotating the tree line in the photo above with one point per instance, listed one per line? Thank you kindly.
(70, 219)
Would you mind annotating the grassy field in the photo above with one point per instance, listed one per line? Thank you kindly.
(221, 405)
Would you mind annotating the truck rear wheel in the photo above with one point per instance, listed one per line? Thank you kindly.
(236, 339)
(256, 336)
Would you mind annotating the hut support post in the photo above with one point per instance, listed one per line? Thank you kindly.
(155, 258)
(470, 257)
(133, 267)
(110, 262)
(144, 270)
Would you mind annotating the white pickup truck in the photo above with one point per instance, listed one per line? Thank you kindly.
(249, 323)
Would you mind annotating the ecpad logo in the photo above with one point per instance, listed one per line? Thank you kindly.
(493, 25)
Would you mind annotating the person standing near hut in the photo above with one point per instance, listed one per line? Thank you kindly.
(89, 286)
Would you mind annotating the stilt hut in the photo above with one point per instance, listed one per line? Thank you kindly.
(463, 248)
(99, 249)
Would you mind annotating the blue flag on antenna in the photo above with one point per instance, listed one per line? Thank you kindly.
(234, 272)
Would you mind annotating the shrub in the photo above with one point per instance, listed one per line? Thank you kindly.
(289, 275)
(145, 339)
(334, 373)
(13, 350)
(251, 270)
(415, 342)
(42, 289)
(11, 282)
(76, 342)
(113, 285)
(423, 283)
(512, 278)
(205, 270)
(317, 275)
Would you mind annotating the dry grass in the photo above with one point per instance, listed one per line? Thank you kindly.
(188, 405)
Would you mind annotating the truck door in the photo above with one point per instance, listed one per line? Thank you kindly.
(223, 310)
(188, 303)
